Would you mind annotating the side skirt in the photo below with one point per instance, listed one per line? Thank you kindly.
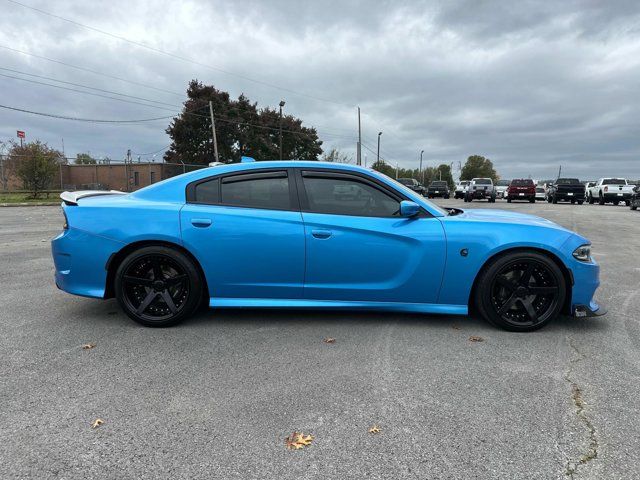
(337, 305)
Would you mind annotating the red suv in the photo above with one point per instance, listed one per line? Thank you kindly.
(521, 189)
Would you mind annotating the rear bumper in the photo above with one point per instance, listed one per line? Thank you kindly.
(517, 196)
(610, 197)
(80, 260)
(566, 197)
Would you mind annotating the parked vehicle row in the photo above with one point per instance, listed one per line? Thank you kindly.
(605, 190)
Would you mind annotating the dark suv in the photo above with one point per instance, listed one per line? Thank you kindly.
(521, 189)
(413, 184)
(438, 188)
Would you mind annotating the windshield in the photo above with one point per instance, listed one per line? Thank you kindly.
(614, 181)
(464, 183)
(503, 183)
(483, 181)
(410, 193)
(567, 181)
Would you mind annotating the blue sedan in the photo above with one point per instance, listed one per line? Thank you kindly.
(316, 235)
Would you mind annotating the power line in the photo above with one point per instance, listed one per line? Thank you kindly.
(88, 87)
(95, 72)
(86, 93)
(178, 57)
(89, 120)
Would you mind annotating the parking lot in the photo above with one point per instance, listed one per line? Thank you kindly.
(216, 396)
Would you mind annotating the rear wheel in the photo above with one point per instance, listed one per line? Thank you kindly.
(600, 199)
(158, 286)
(580, 202)
(591, 200)
(554, 199)
(616, 202)
(521, 291)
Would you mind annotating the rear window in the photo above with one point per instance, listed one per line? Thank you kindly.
(439, 183)
(539, 190)
(614, 181)
(567, 181)
(503, 183)
(259, 190)
(483, 181)
(522, 182)
(407, 181)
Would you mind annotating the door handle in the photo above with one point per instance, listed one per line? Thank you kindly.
(321, 233)
(201, 222)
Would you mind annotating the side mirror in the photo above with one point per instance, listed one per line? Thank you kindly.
(409, 209)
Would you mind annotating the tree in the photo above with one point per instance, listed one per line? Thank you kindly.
(478, 166)
(443, 172)
(85, 159)
(241, 130)
(337, 156)
(382, 167)
(36, 165)
(7, 165)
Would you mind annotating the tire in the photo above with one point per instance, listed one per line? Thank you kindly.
(508, 300)
(627, 202)
(554, 200)
(548, 199)
(591, 199)
(633, 206)
(580, 202)
(616, 202)
(532, 200)
(446, 197)
(600, 199)
(158, 286)
(508, 200)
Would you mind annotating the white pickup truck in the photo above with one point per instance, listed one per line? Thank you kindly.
(610, 190)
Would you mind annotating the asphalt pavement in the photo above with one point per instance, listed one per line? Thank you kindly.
(216, 396)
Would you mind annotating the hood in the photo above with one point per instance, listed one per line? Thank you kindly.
(504, 216)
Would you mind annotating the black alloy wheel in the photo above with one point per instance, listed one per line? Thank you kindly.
(158, 286)
(521, 292)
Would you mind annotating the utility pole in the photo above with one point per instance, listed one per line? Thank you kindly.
(421, 174)
(213, 128)
(359, 149)
(127, 161)
(378, 157)
(281, 105)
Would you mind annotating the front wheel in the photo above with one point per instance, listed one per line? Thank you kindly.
(158, 286)
(520, 291)
(591, 199)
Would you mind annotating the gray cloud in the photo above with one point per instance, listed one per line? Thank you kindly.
(531, 85)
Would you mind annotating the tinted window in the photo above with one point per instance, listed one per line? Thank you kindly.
(567, 181)
(261, 190)
(527, 182)
(208, 192)
(343, 196)
(407, 181)
(502, 183)
(483, 181)
(614, 181)
(439, 183)
(539, 190)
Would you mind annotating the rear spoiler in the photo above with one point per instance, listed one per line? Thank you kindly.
(71, 198)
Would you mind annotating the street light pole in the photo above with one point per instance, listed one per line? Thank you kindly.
(378, 157)
(281, 105)
(421, 175)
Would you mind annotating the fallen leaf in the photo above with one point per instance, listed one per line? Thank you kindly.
(329, 340)
(374, 429)
(88, 346)
(475, 338)
(455, 327)
(296, 441)
(97, 422)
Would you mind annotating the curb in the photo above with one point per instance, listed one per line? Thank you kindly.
(32, 204)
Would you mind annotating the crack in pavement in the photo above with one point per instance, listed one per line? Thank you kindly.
(578, 401)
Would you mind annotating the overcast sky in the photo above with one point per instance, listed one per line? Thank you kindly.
(531, 85)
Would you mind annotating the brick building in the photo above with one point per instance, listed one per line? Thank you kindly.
(108, 176)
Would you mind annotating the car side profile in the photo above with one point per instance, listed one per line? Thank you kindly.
(316, 235)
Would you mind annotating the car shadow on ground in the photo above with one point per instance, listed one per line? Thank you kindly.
(109, 311)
